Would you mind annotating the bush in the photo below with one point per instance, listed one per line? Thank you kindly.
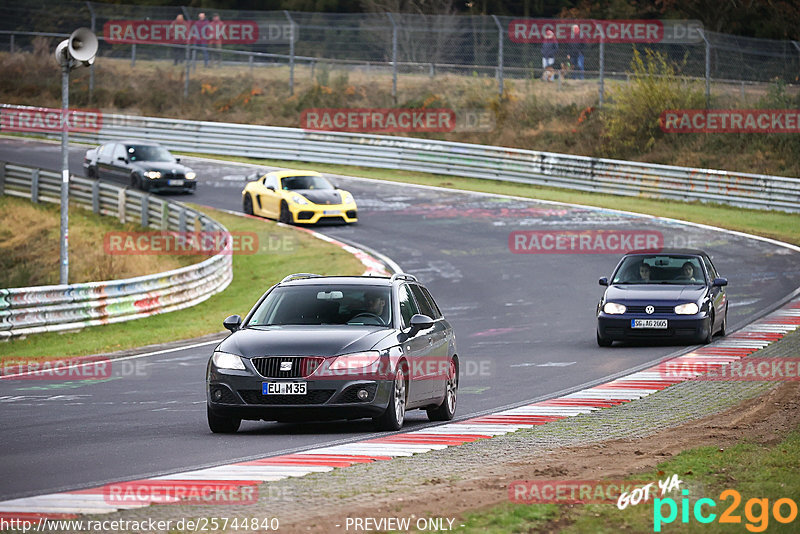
(632, 118)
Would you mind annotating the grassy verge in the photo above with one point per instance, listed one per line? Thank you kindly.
(282, 251)
(30, 232)
(774, 224)
(754, 471)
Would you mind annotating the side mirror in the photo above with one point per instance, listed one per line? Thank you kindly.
(419, 322)
(719, 282)
(603, 281)
(177, 160)
(122, 158)
(232, 323)
(271, 188)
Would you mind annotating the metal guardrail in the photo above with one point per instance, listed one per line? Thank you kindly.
(31, 310)
(457, 159)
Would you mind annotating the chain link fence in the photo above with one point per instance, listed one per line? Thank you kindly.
(399, 45)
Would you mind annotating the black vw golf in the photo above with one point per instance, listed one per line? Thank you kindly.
(344, 347)
(669, 294)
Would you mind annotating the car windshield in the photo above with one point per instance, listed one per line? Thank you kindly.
(294, 183)
(660, 269)
(149, 153)
(325, 305)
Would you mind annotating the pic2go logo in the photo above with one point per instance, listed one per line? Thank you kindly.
(758, 521)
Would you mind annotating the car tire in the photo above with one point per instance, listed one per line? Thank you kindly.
(447, 409)
(135, 182)
(724, 328)
(222, 425)
(710, 336)
(393, 417)
(247, 205)
(91, 172)
(285, 215)
(603, 342)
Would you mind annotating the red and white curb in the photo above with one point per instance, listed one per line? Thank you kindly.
(735, 346)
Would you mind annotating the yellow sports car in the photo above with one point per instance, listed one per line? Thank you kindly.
(297, 197)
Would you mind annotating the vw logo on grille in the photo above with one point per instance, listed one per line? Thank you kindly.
(649, 309)
(286, 366)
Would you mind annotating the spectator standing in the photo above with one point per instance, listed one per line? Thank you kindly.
(203, 31)
(575, 53)
(179, 29)
(215, 40)
(549, 49)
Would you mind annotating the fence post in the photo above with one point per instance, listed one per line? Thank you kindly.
(91, 67)
(291, 51)
(133, 55)
(35, 186)
(2, 178)
(394, 57)
(601, 80)
(11, 43)
(145, 210)
(186, 58)
(500, 39)
(96, 197)
(708, 68)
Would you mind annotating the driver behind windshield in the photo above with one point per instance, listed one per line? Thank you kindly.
(687, 272)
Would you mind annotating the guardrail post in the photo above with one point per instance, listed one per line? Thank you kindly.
(291, 51)
(145, 210)
(182, 221)
(164, 215)
(121, 201)
(2, 178)
(96, 197)
(35, 186)
(394, 57)
(499, 55)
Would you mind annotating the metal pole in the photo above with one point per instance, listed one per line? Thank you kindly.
(500, 39)
(11, 44)
(186, 57)
(708, 68)
(91, 67)
(133, 55)
(394, 57)
(291, 51)
(601, 81)
(64, 173)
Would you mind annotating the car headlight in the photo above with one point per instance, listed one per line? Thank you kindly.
(347, 198)
(223, 360)
(153, 175)
(299, 199)
(687, 309)
(190, 175)
(613, 308)
(356, 360)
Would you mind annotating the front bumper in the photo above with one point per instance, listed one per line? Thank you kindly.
(170, 184)
(618, 327)
(314, 213)
(239, 394)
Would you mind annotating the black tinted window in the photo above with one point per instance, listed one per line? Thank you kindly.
(424, 306)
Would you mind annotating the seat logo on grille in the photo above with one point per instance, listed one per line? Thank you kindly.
(649, 309)
(286, 366)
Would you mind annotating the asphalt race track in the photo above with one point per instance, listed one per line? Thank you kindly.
(525, 325)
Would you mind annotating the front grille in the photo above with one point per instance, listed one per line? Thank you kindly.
(350, 394)
(305, 215)
(172, 176)
(302, 366)
(658, 309)
(314, 396)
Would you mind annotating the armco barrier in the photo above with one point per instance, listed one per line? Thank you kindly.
(457, 159)
(31, 310)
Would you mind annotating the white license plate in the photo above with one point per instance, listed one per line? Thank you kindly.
(175, 182)
(649, 323)
(332, 212)
(283, 388)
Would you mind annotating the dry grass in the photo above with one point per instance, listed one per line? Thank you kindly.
(29, 247)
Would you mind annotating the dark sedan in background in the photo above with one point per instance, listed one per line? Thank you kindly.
(345, 347)
(143, 165)
(672, 294)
